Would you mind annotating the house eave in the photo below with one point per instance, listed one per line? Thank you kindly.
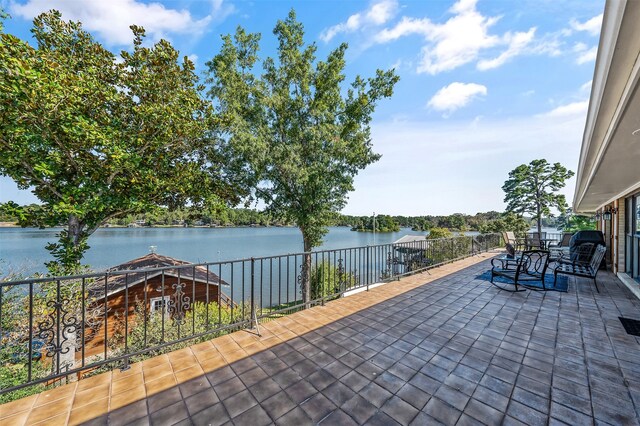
(610, 153)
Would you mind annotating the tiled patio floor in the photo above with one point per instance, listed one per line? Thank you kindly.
(441, 348)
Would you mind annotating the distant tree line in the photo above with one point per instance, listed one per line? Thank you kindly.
(221, 216)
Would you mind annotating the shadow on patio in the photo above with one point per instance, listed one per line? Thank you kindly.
(455, 351)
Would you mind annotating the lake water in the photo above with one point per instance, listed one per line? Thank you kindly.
(23, 249)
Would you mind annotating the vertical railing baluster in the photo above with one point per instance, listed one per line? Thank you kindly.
(232, 286)
(84, 319)
(244, 299)
(367, 263)
(220, 294)
(270, 283)
(261, 287)
(253, 300)
(164, 306)
(206, 309)
(106, 317)
(30, 328)
(177, 308)
(288, 273)
(194, 300)
(280, 281)
(126, 322)
(145, 313)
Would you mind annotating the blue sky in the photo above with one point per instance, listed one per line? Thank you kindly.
(485, 85)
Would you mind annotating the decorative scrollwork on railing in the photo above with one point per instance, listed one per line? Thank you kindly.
(178, 304)
(57, 337)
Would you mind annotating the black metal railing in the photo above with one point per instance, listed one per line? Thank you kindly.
(52, 328)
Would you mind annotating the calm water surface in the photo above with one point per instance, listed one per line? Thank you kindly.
(23, 249)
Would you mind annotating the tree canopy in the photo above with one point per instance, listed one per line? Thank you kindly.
(302, 137)
(97, 137)
(531, 188)
(571, 222)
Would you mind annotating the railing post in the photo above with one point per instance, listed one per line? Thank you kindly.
(253, 300)
(367, 268)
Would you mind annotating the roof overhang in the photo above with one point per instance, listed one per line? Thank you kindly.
(609, 164)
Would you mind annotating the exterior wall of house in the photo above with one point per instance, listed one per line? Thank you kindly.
(616, 233)
(621, 234)
(122, 302)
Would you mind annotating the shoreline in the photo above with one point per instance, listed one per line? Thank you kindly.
(14, 225)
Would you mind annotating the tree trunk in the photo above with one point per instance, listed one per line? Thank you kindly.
(539, 217)
(306, 271)
(74, 229)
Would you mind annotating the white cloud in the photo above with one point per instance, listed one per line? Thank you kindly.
(591, 26)
(573, 109)
(580, 47)
(587, 55)
(518, 43)
(378, 13)
(455, 96)
(459, 40)
(193, 58)
(111, 19)
(586, 87)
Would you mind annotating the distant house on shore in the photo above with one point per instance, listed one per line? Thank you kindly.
(163, 285)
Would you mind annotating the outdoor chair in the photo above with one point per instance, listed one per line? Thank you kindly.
(556, 249)
(564, 242)
(510, 238)
(580, 268)
(581, 254)
(530, 265)
(533, 242)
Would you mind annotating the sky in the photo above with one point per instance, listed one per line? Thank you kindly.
(484, 85)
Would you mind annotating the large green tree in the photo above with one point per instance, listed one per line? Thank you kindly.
(532, 188)
(301, 131)
(97, 137)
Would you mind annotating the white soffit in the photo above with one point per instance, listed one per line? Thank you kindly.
(610, 156)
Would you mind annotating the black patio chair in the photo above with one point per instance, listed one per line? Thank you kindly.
(580, 255)
(558, 248)
(533, 241)
(582, 269)
(531, 266)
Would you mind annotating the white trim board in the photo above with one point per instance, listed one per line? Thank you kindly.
(630, 283)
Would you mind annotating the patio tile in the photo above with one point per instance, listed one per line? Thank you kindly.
(214, 416)
(414, 396)
(170, 414)
(318, 407)
(452, 397)
(300, 391)
(128, 413)
(163, 399)
(359, 409)
(526, 414)
(399, 410)
(338, 393)
(278, 405)
(381, 419)
(239, 403)
(255, 416)
(200, 401)
(483, 413)
(441, 411)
